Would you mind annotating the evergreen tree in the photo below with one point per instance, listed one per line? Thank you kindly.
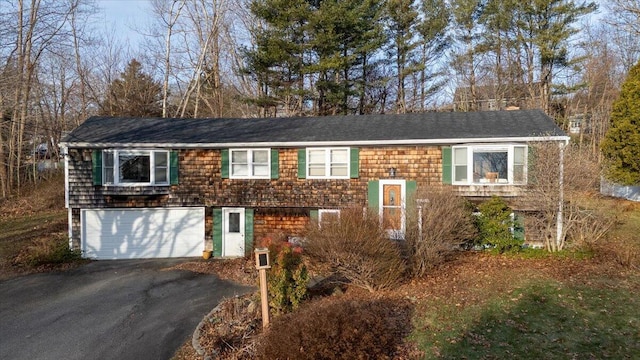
(135, 93)
(277, 62)
(403, 20)
(544, 28)
(344, 35)
(621, 146)
(434, 41)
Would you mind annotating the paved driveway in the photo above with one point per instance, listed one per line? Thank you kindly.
(125, 309)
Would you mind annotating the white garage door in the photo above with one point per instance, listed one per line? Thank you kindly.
(142, 233)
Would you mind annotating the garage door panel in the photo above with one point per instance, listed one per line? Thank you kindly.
(142, 233)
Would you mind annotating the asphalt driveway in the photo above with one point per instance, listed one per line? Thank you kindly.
(123, 309)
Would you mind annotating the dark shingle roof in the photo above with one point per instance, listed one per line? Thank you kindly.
(330, 129)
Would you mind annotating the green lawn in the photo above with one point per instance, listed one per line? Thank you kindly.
(571, 308)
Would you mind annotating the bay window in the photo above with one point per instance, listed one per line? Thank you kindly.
(135, 167)
(489, 164)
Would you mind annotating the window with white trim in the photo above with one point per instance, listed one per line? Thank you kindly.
(328, 215)
(249, 163)
(489, 164)
(328, 163)
(135, 167)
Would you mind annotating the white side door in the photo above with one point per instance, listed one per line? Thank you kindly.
(233, 232)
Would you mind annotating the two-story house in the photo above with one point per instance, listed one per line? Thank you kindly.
(152, 187)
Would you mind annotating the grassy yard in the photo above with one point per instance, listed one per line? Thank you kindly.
(547, 307)
(33, 230)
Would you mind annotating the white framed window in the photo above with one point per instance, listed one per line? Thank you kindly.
(135, 167)
(249, 163)
(328, 215)
(328, 163)
(490, 164)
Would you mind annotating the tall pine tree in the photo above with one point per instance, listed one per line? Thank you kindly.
(135, 93)
(621, 146)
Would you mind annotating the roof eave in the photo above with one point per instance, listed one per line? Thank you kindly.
(292, 144)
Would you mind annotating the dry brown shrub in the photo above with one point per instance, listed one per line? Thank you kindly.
(330, 329)
(356, 248)
(581, 176)
(437, 226)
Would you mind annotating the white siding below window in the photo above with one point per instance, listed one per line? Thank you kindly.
(142, 233)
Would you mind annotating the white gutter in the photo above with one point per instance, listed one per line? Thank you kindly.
(560, 218)
(314, 143)
(65, 154)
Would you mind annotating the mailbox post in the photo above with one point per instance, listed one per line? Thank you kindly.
(262, 264)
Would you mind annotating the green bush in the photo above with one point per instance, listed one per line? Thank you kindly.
(288, 277)
(495, 225)
(330, 329)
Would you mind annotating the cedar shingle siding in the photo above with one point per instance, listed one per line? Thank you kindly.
(413, 144)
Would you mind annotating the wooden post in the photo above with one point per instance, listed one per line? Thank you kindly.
(262, 264)
(264, 298)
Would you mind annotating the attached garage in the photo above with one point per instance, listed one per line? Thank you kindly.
(142, 233)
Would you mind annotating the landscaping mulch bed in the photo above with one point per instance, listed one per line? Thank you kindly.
(230, 333)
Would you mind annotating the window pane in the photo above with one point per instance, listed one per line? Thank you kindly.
(316, 170)
(160, 159)
(107, 159)
(339, 170)
(260, 170)
(460, 156)
(161, 175)
(490, 166)
(234, 222)
(134, 168)
(238, 156)
(518, 155)
(518, 173)
(107, 165)
(239, 170)
(316, 156)
(460, 173)
(339, 156)
(261, 156)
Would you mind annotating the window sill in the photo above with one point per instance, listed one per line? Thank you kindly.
(143, 190)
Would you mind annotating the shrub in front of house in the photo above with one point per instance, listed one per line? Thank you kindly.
(288, 278)
(355, 247)
(495, 225)
(343, 329)
(439, 224)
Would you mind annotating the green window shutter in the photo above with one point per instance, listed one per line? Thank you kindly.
(248, 230)
(96, 163)
(224, 167)
(217, 232)
(373, 193)
(302, 163)
(411, 189)
(355, 163)
(531, 159)
(447, 165)
(518, 227)
(173, 171)
(313, 214)
(275, 167)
